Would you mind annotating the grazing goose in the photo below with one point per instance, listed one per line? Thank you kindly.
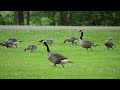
(14, 40)
(72, 39)
(7, 44)
(56, 58)
(108, 43)
(49, 42)
(86, 44)
(31, 47)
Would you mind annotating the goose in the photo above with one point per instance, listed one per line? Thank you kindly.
(108, 43)
(56, 58)
(7, 44)
(72, 39)
(31, 47)
(49, 42)
(86, 44)
(14, 40)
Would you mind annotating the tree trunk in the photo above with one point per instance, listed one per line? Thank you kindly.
(16, 17)
(64, 17)
(28, 17)
(21, 17)
(53, 17)
(2, 20)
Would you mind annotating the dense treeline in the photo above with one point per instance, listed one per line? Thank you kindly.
(60, 18)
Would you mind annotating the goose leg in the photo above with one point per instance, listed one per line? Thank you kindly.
(62, 65)
(72, 43)
(112, 48)
(91, 49)
(15, 45)
(75, 43)
(54, 64)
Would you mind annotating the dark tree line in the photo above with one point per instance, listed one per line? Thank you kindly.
(19, 17)
(65, 18)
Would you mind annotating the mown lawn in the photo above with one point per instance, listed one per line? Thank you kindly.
(100, 63)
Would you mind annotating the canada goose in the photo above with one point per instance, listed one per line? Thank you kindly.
(56, 58)
(14, 40)
(31, 47)
(108, 43)
(49, 42)
(7, 44)
(86, 44)
(72, 39)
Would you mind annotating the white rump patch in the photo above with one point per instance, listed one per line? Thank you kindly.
(77, 40)
(64, 61)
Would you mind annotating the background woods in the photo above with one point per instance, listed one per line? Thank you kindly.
(60, 18)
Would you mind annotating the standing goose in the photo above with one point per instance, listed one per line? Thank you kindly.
(31, 47)
(72, 39)
(86, 44)
(108, 43)
(56, 58)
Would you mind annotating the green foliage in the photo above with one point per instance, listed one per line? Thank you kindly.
(6, 17)
(72, 18)
(96, 64)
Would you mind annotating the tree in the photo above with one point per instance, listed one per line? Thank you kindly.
(18, 18)
(28, 17)
(64, 17)
(2, 21)
(21, 17)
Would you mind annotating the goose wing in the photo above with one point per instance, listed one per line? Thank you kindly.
(13, 39)
(87, 43)
(56, 57)
(110, 44)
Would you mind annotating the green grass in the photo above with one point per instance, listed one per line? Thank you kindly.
(97, 64)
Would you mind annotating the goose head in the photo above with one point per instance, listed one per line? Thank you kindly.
(41, 41)
(81, 31)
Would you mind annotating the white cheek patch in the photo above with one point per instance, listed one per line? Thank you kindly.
(64, 61)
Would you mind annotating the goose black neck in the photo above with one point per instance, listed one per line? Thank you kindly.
(81, 35)
(47, 47)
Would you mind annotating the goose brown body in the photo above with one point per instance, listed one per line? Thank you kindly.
(56, 58)
(86, 44)
(14, 40)
(31, 47)
(49, 42)
(72, 39)
(7, 44)
(108, 43)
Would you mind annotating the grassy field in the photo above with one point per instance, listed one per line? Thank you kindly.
(100, 63)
